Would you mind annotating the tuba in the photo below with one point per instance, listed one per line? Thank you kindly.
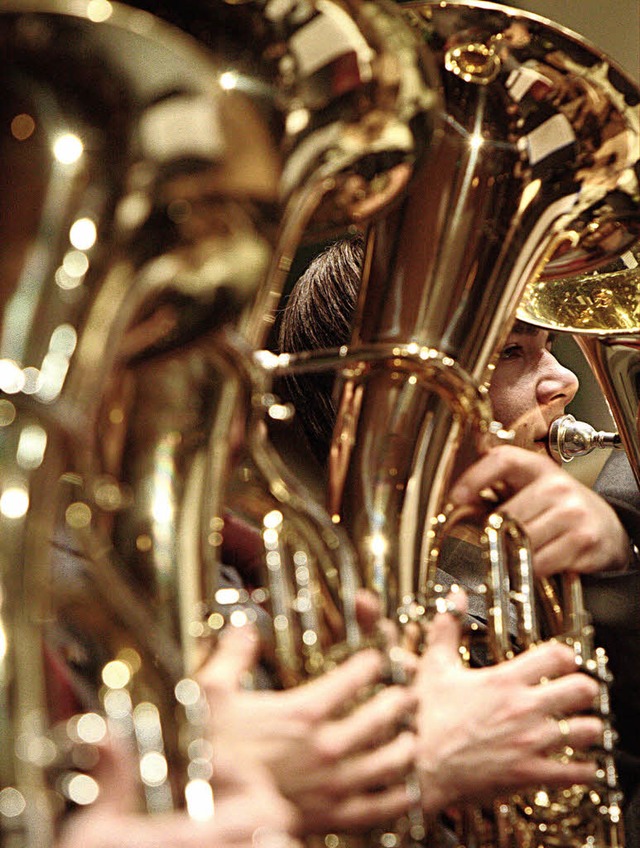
(153, 170)
(137, 218)
(525, 179)
(88, 159)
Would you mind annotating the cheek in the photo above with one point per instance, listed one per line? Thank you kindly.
(511, 401)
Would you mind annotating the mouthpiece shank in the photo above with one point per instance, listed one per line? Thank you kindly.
(569, 438)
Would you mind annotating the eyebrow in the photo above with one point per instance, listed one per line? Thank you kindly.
(525, 329)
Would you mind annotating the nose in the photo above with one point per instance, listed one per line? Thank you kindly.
(556, 384)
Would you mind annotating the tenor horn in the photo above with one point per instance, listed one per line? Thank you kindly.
(523, 171)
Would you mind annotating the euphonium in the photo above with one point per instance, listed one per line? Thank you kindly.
(523, 171)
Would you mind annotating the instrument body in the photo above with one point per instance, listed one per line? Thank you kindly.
(150, 228)
(513, 188)
(143, 220)
(444, 272)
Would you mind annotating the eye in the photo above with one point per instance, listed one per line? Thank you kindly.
(511, 351)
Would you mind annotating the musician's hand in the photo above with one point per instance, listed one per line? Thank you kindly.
(249, 811)
(482, 731)
(570, 528)
(343, 768)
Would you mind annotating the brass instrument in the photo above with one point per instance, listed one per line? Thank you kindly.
(517, 185)
(139, 222)
(155, 173)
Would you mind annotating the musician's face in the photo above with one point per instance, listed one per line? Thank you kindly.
(529, 387)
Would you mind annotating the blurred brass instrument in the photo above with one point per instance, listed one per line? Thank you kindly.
(148, 181)
(528, 178)
(91, 255)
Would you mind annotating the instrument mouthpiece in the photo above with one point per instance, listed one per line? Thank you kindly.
(569, 438)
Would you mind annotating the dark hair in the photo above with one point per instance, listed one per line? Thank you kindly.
(318, 316)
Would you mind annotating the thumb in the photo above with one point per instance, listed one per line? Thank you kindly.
(116, 774)
(444, 633)
(233, 657)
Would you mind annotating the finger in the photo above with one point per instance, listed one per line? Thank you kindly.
(570, 694)
(329, 693)
(577, 732)
(115, 774)
(555, 773)
(371, 809)
(558, 555)
(412, 636)
(368, 611)
(235, 654)
(546, 661)
(444, 634)
(370, 724)
(509, 465)
(404, 664)
(385, 766)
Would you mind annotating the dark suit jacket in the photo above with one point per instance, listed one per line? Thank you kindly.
(614, 603)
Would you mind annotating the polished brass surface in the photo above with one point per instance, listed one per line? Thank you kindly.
(599, 303)
(532, 174)
(615, 361)
(602, 309)
(510, 181)
(112, 248)
(136, 214)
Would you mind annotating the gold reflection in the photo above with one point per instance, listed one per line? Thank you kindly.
(99, 11)
(7, 413)
(75, 263)
(153, 768)
(228, 80)
(11, 377)
(12, 802)
(116, 674)
(81, 789)
(31, 446)
(78, 515)
(187, 692)
(199, 798)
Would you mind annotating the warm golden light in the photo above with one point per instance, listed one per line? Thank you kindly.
(14, 502)
(199, 797)
(68, 149)
(99, 11)
(83, 234)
